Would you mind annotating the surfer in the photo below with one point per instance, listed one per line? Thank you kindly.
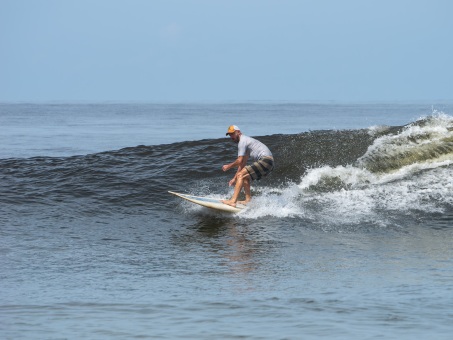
(248, 147)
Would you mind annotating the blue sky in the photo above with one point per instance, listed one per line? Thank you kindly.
(226, 50)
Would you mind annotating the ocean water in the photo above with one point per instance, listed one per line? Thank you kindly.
(350, 237)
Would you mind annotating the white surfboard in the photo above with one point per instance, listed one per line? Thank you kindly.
(212, 203)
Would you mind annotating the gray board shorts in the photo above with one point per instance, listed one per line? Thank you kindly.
(260, 168)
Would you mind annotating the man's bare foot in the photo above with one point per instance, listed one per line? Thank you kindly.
(229, 202)
(244, 202)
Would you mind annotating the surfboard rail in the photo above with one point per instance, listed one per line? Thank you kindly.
(209, 202)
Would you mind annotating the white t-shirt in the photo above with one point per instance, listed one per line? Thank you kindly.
(253, 148)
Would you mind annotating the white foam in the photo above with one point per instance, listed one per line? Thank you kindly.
(425, 131)
(428, 191)
(275, 202)
(349, 176)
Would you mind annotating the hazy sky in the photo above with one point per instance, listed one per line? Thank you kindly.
(226, 50)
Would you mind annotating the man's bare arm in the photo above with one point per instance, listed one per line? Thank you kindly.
(239, 163)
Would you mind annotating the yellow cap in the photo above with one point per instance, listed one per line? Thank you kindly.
(231, 129)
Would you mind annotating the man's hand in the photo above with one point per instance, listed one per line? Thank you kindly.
(239, 162)
(231, 183)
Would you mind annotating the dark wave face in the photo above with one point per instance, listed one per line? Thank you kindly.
(344, 176)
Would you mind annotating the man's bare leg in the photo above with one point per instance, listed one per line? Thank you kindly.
(240, 182)
(248, 194)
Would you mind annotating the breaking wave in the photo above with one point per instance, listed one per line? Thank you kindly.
(348, 176)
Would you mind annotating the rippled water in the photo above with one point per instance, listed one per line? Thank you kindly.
(350, 237)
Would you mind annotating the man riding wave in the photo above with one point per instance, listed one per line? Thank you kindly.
(263, 164)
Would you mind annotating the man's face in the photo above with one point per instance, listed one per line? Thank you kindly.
(235, 136)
